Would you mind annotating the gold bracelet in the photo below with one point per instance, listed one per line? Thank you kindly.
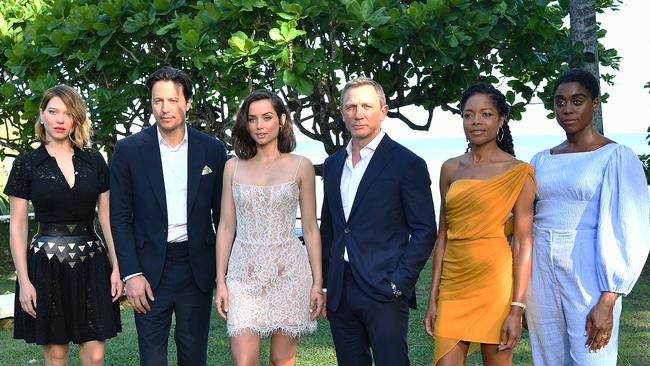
(519, 304)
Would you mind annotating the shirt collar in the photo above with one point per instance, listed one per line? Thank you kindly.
(372, 145)
(41, 154)
(161, 140)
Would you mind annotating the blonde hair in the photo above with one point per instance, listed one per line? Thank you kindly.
(80, 132)
(360, 81)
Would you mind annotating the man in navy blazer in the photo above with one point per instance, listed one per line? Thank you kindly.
(378, 229)
(164, 205)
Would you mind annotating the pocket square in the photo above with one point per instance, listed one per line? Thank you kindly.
(206, 170)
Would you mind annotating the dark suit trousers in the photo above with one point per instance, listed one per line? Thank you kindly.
(361, 324)
(177, 293)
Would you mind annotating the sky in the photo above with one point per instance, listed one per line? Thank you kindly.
(623, 113)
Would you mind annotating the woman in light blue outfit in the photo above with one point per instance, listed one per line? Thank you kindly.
(591, 234)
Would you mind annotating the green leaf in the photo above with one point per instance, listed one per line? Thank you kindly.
(304, 86)
(289, 78)
(299, 68)
(164, 30)
(51, 51)
(237, 43)
(191, 37)
(7, 89)
(133, 74)
(275, 35)
(161, 4)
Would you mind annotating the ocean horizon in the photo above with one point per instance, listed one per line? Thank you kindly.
(435, 151)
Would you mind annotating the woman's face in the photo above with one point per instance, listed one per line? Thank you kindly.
(481, 119)
(263, 122)
(56, 120)
(574, 107)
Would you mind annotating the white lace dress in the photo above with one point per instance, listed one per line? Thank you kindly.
(269, 277)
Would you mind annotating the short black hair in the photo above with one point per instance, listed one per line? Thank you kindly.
(173, 74)
(582, 77)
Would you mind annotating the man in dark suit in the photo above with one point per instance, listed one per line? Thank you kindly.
(377, 229)
(165, 199)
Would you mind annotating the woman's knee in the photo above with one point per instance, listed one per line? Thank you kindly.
(56, 354)
(91, 353)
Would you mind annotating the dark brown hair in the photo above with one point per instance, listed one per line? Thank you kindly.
(245, 146)
(168, 73)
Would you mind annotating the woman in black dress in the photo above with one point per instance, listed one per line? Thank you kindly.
(68, 281)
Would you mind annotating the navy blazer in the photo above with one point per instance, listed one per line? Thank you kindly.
(391, 229)
(138, 207)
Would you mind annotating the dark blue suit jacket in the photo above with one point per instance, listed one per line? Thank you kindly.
(391, 228)
(138, 207)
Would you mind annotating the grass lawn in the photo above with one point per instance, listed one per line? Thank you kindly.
(318, 349)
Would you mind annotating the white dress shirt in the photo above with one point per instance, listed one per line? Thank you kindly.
(174, 167)
(352, 174)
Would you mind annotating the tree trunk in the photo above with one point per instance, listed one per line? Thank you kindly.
(584, 29)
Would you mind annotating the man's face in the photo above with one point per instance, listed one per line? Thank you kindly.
(169, 105)
(363, 112)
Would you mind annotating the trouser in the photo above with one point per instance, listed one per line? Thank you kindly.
(361, 324)
(562, 292)
(176, 294)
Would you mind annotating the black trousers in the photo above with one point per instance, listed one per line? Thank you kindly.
(364, 329)
(176, 294)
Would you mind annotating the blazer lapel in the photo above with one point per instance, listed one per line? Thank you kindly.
(196, 160)
(380, 158)
(150, 150)
(334, 185)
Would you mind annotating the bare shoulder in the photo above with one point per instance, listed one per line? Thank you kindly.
(449, 168)
(452, 164)
(306, 168)
(230, 165)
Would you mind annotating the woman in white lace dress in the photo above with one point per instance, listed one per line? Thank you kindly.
(267, 284)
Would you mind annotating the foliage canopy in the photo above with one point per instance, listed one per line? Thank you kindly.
(424, 53)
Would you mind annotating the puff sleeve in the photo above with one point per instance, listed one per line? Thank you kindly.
(623, 235)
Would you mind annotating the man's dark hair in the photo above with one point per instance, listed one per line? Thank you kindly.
(172, 74)
(582, 77)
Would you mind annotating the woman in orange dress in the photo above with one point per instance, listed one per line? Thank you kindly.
(479, 281)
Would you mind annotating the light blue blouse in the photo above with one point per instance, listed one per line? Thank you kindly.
(604, 190)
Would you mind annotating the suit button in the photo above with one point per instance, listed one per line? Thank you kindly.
(164, 230)
(346, 230)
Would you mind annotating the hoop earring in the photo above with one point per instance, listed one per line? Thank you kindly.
(500, 134)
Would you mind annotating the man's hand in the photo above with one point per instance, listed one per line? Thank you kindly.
(323, 310)
(138, 291)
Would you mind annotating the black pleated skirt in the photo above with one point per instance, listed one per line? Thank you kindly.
(69, 268)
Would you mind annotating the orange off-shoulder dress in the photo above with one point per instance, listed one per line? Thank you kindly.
(476, 284)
